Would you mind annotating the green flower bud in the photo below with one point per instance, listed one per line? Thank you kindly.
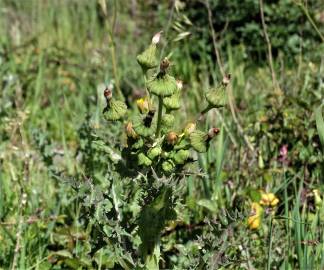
(181, 156)
(190, 127)
(154, 152)
(162, 85)
(115, 110)
(144, 125)
(168, 166)
(217, 97)
(182, 144)
(147, 59)
(173, 102)
(198, 141)
(143, 160)
(138, 143)
(168, 120)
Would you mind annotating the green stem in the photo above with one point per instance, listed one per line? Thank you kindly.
(145, 84)
(270, 245)
(305, 10)
(157, 134)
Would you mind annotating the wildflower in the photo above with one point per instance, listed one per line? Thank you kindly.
(154, 152)
(268, 199)
(148, 59)
(144, 125)
(115, 109)
(216, 97)
(164, 85)
(283, 154)
(168, 120)
(181, 156)
(143, 160)
(199, 140)
(173, 102)
(254, 220)
(168, 166)
(143, 104)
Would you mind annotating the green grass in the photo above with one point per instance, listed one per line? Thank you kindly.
(55, 56)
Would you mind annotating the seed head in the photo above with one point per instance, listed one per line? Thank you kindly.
(108, 93)
(212, 132)
(165, 63)
(226, 79)
(156, 38)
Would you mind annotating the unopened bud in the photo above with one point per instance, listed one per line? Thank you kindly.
(172, 138)
(190, 127)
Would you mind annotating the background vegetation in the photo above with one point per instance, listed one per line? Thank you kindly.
(63, 202)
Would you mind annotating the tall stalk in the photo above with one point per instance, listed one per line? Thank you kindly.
(157, 134)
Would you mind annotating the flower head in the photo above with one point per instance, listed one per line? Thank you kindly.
(268, 199)
(254, 220)
(143, 104)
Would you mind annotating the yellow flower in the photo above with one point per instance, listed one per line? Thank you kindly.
(143, 104)
(269, 199)
(254, 220)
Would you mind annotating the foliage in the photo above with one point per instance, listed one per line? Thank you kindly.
(79, 192)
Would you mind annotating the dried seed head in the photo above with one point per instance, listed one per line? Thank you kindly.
(172, 138)
(179, 84)
(108, 93)
(212, 132)
(156, 38)
(130, 132)
(165, 63)
(226, 79)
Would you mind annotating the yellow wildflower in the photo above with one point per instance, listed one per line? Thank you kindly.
(143, 104)
(254, 220)
(269, 199)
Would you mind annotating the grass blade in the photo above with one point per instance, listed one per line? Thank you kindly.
(320, 124)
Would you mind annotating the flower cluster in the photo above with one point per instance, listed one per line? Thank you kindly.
(267, 200)
(152, 140)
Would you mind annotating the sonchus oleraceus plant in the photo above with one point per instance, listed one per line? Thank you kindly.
(156, 149)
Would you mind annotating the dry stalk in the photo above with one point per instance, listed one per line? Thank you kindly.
(230, 90)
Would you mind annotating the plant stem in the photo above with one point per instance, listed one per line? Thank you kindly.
(157, 134)
(270, 245)
(305, 10)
